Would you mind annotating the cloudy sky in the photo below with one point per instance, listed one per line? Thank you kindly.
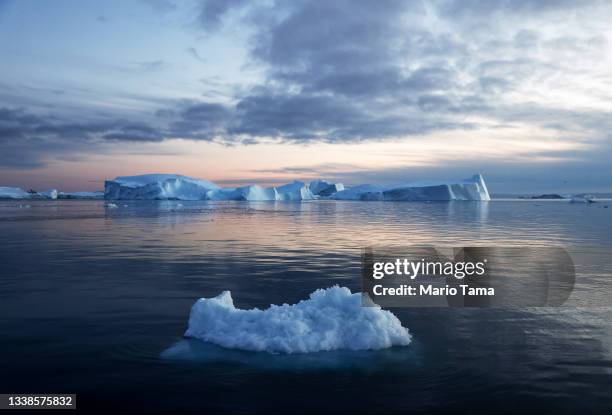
(269, 91)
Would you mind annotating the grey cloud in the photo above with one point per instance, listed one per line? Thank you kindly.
(163, 6)
(474, 8)
(213, 11)
(27, 139)
(194, 53)
(152, 65)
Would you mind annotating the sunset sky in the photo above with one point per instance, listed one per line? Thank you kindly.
(270, 91)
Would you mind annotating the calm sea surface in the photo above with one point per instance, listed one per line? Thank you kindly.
(92, 299)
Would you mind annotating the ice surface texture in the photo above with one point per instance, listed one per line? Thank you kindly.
(331, 319)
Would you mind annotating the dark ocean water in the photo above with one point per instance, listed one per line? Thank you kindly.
(91, 297)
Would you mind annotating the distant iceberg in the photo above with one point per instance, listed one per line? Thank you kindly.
(172, 186)
(158, 186)
(473, 188)
(323, 188)
(295, 191)
(176, 187)
(331, 319)
(80, 195)
(18, 193)
(13, 193)
(582, 199)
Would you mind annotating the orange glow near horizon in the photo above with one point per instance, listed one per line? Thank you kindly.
(265, 163)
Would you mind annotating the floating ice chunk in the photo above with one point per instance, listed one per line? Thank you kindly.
(331, 319)
(111, 206)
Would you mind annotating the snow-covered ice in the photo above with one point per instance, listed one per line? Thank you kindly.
(330, 319)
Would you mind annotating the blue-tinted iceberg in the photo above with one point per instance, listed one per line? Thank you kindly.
(80, 195)
(252, 192)
(331, 319)
(170, 186)
(158, 186)
(13, 193)
(324, 189)
(473, 188)
(18, 193)
(294, 191)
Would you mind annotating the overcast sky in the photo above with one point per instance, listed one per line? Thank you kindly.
(264, 92)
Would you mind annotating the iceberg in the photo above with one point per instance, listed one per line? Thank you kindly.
(582, 199)
(18, 193)
(323, 188)
(252, 192)
(294, 191)
(49, 194)
(13, 193)
(473, 188)
(157, 186)
(330, 319)
(177, 187)
(80, 195)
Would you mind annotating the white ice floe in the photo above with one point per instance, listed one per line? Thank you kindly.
(331, 319)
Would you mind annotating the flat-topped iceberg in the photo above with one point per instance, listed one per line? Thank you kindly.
(80, 195)
(177, 187)
(18, 193)
(473, 188)
(13, 193)
(158, 186)
(171, 186)
(330, 319)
